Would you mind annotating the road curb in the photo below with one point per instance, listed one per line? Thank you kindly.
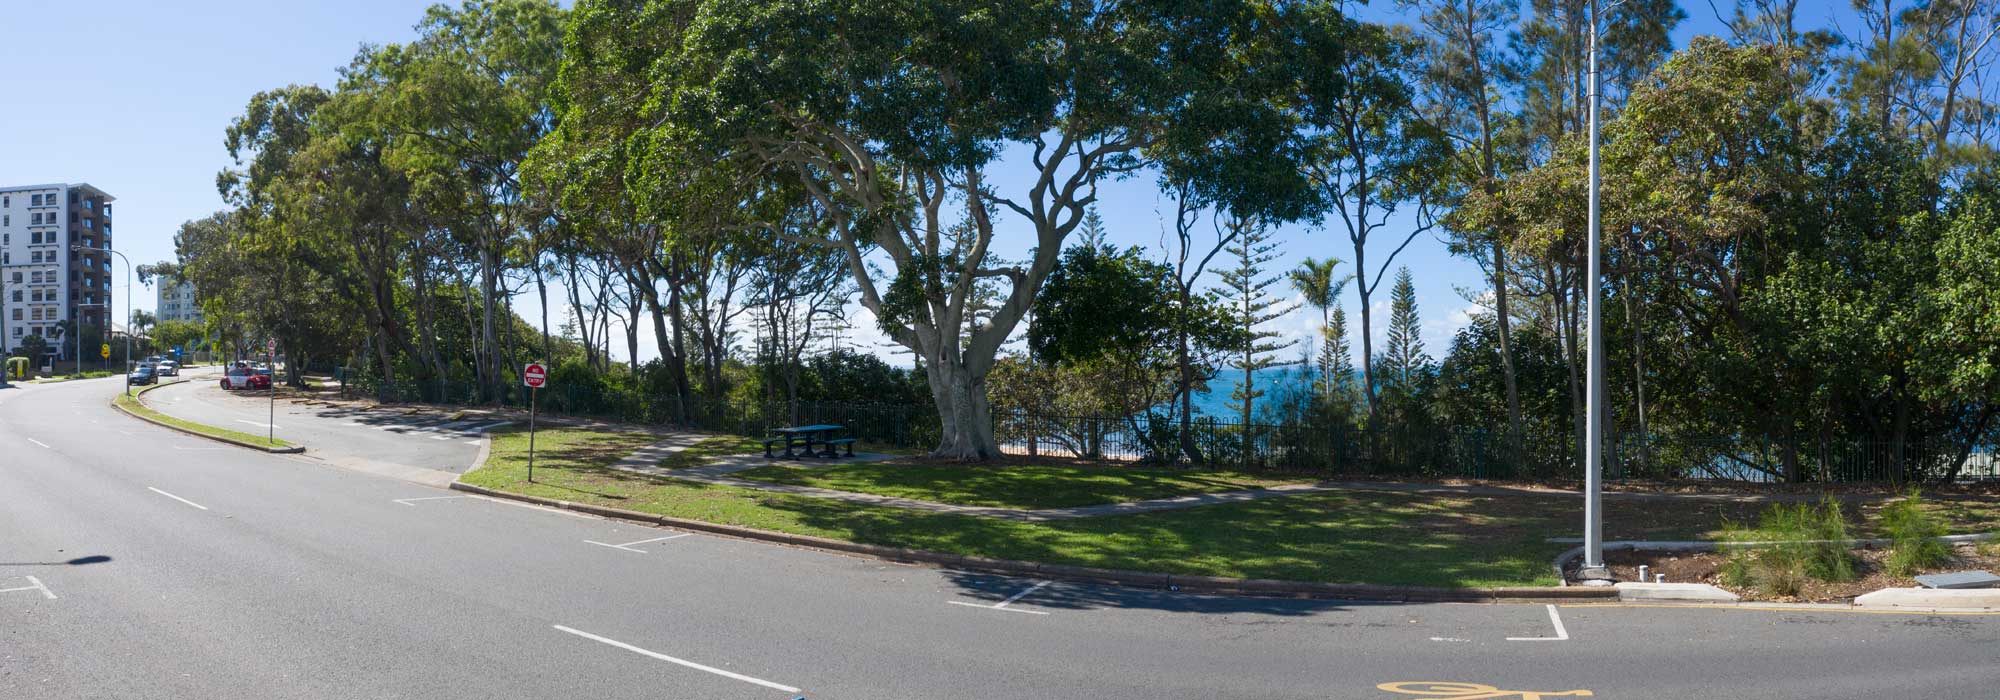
(1064, 572)
(293, 450)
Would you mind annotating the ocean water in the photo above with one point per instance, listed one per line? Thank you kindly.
(1273, 381)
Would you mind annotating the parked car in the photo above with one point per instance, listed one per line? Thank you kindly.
(245, 378)
(167, 368)
(142, 375)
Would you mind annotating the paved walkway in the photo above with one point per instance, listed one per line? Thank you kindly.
(719, 471)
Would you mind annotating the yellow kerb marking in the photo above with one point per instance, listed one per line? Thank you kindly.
(1449, 690)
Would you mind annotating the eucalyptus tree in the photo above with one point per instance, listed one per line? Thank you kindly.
(892, 116)
(1466, 75)
(463, 104)
(1375, 157)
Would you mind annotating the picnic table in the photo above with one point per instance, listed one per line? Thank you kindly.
(807, 435)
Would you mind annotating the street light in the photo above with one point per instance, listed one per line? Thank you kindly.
(1593, 571)
(107, 313)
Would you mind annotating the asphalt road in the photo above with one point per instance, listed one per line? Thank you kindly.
(227, 573)
(424, 448)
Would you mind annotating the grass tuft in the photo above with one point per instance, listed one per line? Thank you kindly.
(1913, 531)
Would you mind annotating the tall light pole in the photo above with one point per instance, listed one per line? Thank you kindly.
(107, 312)
(1593, 570)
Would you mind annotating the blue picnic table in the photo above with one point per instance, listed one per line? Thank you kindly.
(807, 435)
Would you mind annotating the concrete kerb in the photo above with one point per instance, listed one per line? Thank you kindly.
(295, 449)
(1562, 561)
(1063, 572)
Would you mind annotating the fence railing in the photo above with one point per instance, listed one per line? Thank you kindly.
(1288, 446)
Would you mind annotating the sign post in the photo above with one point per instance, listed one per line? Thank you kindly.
(271, 361)
(534, 376)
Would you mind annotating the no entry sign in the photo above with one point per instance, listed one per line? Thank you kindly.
(534, 375)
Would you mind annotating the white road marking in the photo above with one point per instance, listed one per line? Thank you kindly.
(410, 501)
(443, 437)
(1561, 634)
(1449, 639)
(1002, 605)
(255, 423)
(628, 545)
(34, 584)
(488, 426)
(44, 445)
(684, 662)
(178, 498)
(126, 432)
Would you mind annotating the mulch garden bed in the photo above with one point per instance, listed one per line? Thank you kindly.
(1705, 567)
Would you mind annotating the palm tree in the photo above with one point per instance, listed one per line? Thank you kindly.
(1314, 280)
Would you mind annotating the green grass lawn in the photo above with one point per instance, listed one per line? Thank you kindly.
(1347, 537)
(1014, 486)
(131, 403)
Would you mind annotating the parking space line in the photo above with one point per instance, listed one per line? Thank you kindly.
(1002, 605)
(177, 498)
(410, 501)
(44, 445)
(260, 425)
(34, 584)
(1561, 634)
(628, 545)
(683, 662)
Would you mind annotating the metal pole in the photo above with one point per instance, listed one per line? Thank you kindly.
(1593, 448)
(270, 422)
(533, 406)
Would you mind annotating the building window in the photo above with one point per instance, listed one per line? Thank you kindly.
(34, 200)
(17, 295)
(90, 224)
(6, 202)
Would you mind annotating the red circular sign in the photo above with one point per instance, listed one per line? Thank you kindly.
(534, 375)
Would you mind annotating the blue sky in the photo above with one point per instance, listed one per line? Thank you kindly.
(134, 96)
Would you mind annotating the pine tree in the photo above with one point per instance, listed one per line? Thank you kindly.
(1405, 351)
(1246, 292)
(1335, 351)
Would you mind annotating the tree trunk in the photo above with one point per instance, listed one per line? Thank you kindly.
(1502, 314)
(965, 415)
(489, 334)
(542, 290)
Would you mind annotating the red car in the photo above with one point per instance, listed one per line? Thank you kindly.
(245, 378)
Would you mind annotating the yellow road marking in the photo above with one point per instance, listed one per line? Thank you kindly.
(1452, 690)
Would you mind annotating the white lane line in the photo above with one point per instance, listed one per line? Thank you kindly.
(628, 545)
(34, 584)
(255, 423)
(684, 662)
(411, 501)
(1561, 634)
(1449, 639)
(44, 445)
(1002, 605)
(178, 498)
(443, 437)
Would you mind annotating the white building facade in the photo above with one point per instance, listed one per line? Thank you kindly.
(176, 302)
(42, 280)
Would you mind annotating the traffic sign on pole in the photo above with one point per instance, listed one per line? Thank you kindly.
(534, 375)
(105, 352)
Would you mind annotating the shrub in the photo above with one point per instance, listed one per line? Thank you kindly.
(1913, 533)
(1794, 543)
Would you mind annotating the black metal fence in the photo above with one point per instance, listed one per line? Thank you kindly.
(1292, 447)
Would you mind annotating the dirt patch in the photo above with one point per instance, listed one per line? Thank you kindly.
(1706, 567)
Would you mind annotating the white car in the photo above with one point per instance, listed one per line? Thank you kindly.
(168, 368)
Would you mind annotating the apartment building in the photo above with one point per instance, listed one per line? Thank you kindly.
(42, 280)
(176, 302)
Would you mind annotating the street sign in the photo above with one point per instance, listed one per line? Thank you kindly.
(271, 346)
(534, 375)
(104, 352)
